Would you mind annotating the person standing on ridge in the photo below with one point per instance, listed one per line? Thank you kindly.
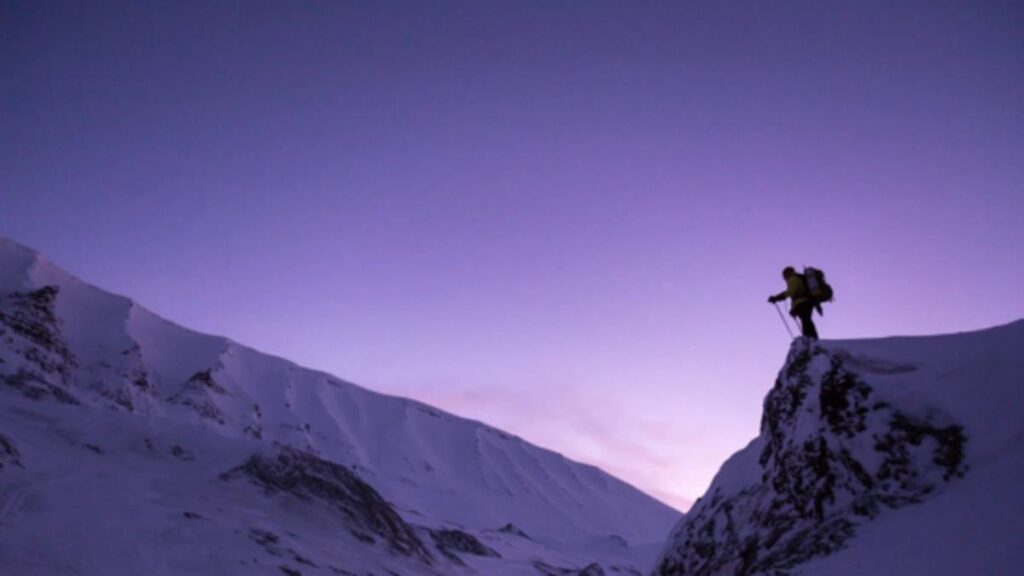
(801, 305)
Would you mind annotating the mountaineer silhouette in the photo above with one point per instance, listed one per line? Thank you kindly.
(806, 292)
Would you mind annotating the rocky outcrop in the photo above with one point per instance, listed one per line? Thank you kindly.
(9, 455)
(830, 456)
(450, 542)
(121, 381)
(200, 394)
(370, 518)
(514, 530)
(34, 358)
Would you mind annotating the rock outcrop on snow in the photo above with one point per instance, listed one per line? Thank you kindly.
(369, 517)
(9, 455)
(832, 454)
(452, 542)
(409, 485)
(30, 330)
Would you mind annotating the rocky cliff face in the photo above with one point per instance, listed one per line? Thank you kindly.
(34, 357)
(831, 454)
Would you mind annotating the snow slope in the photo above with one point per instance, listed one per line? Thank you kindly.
(118, 422)
(887, 456)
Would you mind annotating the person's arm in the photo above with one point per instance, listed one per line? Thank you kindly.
(792, 287)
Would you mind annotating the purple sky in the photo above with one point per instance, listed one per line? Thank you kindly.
(560, 218)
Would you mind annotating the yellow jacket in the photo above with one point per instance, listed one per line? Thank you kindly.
(795, 290)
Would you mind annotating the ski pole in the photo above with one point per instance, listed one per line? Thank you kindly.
(779, 310)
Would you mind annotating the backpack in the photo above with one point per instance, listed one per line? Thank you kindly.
(817, 288)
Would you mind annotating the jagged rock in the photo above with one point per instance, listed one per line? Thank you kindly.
(32, 385)
(311, 478)
(42, 363)
(449, 541)
(204, 380)
(32, 316)
(830, 457)
(199, 393)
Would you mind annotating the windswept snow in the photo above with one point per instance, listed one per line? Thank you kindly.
(976, 524)
(165, 410)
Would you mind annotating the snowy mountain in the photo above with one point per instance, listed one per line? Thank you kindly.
(891, 456)
(131, 445)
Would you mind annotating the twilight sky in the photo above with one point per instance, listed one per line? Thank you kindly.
(560, 218)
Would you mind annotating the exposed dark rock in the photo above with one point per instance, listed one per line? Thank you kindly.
(549, 570)
(182, 453)
(255, 430)
(831, 457)
(873, 365)
(30, 329)
(311, 478)
(514, 530)
(272, 544)
(8, 453)
(264, 537)
(199, 394)
(193, 516)
(449, 541)
(121, 399)
(32, 316)
(135, 389)
(204, 379)
(36, 387)
(141, 381)
(94, 448)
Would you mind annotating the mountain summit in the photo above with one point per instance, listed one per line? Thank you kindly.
(129, 444)
(889, 456)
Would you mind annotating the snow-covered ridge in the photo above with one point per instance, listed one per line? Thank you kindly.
(873, 456)
(100, 349)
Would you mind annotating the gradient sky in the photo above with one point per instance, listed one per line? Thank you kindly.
(561, 218)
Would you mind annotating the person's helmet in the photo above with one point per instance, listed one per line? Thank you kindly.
(788, 271)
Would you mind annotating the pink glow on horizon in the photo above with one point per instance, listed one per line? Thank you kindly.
(561, 220)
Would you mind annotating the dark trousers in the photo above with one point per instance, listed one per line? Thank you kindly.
(803, 311)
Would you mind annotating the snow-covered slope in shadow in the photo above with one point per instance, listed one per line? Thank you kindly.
(887, 456)
(78, 350)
